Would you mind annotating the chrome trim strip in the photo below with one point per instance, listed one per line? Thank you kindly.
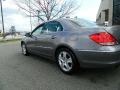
(94, 51)
(45, 47)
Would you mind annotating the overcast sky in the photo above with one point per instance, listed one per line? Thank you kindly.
(14, 17)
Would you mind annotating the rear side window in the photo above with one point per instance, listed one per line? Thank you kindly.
(54, 26)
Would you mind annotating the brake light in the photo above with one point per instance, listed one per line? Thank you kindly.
(104, 38)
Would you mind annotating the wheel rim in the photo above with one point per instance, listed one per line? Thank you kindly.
(23, 49)
(65, 61)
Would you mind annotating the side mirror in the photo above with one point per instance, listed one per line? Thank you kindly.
(28, 34)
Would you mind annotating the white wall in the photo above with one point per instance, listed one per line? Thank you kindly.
(105, 4)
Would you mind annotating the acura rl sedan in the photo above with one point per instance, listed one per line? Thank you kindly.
(74, 43)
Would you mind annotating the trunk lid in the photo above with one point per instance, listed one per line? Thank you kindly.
(115, 31)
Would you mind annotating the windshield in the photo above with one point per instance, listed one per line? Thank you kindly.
(84, 23)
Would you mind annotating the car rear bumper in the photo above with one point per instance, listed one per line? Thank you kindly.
(98, 59)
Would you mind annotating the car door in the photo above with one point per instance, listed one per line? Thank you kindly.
(48, 37)
(32, 43)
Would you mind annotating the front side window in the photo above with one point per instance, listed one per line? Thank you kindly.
(37, 31)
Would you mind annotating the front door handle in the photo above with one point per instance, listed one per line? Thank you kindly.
(53, 37)
(35, 38)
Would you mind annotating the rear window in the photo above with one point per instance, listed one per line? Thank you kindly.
(83, 23)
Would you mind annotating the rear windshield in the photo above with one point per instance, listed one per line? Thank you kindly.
(83, 23)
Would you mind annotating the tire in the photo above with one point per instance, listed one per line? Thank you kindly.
(24, 49)
(67, 61)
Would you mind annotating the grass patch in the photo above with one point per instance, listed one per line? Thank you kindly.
(9, 40)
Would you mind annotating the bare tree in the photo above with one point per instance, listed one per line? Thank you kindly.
(48, 9)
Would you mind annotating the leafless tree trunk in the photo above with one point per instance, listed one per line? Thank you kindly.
(48, 9)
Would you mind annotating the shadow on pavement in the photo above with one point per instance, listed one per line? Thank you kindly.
(102, 76)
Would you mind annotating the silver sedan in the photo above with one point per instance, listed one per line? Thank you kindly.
(73, 43)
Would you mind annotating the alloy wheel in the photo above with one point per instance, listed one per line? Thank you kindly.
(65, 61)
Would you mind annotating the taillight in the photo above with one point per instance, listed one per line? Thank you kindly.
(104, 38)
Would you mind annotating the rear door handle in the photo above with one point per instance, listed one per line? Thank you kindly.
(53, 37)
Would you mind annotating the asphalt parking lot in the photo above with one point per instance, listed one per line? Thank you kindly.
(19, 72)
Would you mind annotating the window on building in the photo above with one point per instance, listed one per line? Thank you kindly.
(116, 15)
(100, 16)
(116, 2)
(106, 15)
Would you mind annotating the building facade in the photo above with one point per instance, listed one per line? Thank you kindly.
(109, 11)
(116, 12)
